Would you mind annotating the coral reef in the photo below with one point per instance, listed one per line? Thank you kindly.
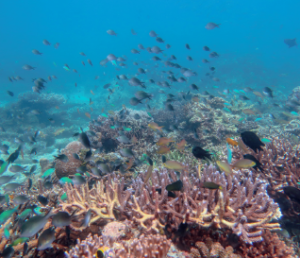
(280, 163)
(65, 169)
(145, 246)
(243, 205)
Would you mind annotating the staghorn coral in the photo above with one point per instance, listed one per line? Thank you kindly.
(65, 169)
(242, 206)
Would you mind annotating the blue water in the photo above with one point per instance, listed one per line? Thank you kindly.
(249, 40)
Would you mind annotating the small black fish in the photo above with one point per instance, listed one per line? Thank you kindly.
(176, 186)
(63, 157)
(42, 200)
(150, 161)
(32, 169)
(75, 156)
(25, 249)
(48, 184)
(244, 97)
(84, 139)
(170, 107)
(170, 194)
(10, 93)
(33, 151)
(290, 42)
(182, 229)
(68, 232)
(88, 155)
(29, 184)
(211, 185)
(293, 193)
(163, 159)
(252, 141)
(12, 157)
(258, 164)
(200, 153)
(268, 92)
(8, 252)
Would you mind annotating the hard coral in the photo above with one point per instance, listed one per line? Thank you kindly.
(65, 169)
(145, 246)
(272, 246)
(216, 102)
(243, 205)
(214, 250)
(280, 162)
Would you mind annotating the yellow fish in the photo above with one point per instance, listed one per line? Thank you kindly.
(224, 167)
(154, 126)
(244, 163)
(59, 131)
(172, 164)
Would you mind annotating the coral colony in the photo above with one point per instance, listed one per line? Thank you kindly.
(197, 170)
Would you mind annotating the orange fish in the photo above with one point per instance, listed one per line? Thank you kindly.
(57, 107)
(154, 126)
(181, 145)
(164, 141)
(78, 111)
(232, 142)
(88, 115)
(163, 150)
(92, 92)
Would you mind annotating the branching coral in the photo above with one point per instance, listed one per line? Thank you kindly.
(242, 206)
(280, 163)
